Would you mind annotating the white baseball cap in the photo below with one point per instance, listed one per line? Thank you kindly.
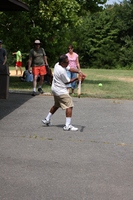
(37, 42)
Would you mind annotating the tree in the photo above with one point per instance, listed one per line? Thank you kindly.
(104, 39)
(46, 20)
(97, 40)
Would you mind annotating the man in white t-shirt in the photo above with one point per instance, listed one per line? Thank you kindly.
(61, 96)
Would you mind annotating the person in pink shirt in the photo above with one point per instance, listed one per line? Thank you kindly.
(73, 63)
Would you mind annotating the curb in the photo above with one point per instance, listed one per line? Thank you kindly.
(29, 93)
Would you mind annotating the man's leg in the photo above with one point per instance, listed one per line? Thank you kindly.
(46, 121)
(69, 112)
(21, 70)
(16, 70)
(53, 109)
(51, 112)
(68, 125)
(34, 84)
(41, 80)
(40, 84)
(68, 116)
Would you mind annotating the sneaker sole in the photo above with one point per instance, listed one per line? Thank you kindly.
(69, 130)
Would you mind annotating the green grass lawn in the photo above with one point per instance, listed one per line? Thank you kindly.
(116, 84)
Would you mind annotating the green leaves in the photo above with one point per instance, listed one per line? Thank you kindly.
(105, 38)
(102, 36)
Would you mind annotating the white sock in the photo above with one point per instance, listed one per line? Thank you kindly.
(34, 89)
(68, 121)
(39, 86)
(49, 116)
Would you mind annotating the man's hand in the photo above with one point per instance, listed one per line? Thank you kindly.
(81, 77)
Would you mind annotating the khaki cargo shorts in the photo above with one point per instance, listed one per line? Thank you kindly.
(64, 101)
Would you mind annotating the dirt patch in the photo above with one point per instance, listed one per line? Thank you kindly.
(125, 79)
(129, 79)
(13, 73)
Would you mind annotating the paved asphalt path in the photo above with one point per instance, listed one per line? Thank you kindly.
(47, 163)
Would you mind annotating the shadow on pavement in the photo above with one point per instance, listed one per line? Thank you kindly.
(14, 101)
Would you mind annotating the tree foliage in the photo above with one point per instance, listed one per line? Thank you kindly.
(105, 38)
(47, 20)
(102, 36)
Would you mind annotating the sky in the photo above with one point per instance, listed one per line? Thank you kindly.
(113, 1)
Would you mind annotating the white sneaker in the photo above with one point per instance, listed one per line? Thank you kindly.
(46, 122)
(70, 128)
